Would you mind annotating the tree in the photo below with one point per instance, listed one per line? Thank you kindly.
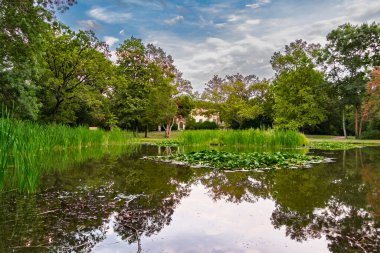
(215, 90)
(299, 88)
(236, 98)
(263, 97)
(24, 26)
(152, 85)
(76, 70)
(185, 105)
(351, 53)
(239, 105)
(371, 106)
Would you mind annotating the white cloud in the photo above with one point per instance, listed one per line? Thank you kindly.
(237, 41)
(107, 16)
(110, 40)
(233, 18)
(258, 4)
(88, 24)
(113, 56)
(174, 20)
(253, 6)
(199, 61)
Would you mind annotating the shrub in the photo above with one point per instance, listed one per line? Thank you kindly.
(371, 134)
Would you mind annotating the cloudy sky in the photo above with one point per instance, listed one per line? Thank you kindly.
(218, 36)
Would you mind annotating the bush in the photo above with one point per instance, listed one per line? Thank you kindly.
(192, 125)
(371, 134)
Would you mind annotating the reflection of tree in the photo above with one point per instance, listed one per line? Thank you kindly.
(328, 200)
(346, 228)
(371, 177)
(159, 189)
(73, 215)
(58, 222)
(237, 187)
(147, 215)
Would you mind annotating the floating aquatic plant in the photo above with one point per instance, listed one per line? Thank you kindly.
(240, 161)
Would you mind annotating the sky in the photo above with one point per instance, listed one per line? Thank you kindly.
(218, 36)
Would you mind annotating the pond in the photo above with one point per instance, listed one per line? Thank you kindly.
(121, 203)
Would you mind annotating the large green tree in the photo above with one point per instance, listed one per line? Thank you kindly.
(24, 25)
(148, 96)
(76, 70)
(239, 99)
(299, 88)
(352, 51)
(138, 100)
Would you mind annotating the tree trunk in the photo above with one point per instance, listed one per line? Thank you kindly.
(56, 107)
(167, 131)
(356, 123)
(146, 131)
(344, 124)
(169, 125)
(361, 125)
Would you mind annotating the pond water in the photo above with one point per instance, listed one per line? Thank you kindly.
(121, 203)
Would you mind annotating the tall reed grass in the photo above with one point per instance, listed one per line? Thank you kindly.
(254, 137)
(25, 146)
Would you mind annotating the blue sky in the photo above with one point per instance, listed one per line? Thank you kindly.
(218, 37)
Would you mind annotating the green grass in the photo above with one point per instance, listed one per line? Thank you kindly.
(237, 161)
(339, 143)
(155, 136)
(25, 145)
(334, 145)
(254, 137)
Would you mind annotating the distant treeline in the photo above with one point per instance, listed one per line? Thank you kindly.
(49, 73)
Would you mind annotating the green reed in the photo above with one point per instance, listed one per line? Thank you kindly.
(254, 137)
(25, 148)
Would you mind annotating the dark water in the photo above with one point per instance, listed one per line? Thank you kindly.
(125, 204)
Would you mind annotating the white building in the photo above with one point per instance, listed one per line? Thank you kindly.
(199, 115)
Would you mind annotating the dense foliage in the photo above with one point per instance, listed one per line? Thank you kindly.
(52, 74)
(49, 73)
(312, 87)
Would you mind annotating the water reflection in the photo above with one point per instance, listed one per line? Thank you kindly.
(127, 204)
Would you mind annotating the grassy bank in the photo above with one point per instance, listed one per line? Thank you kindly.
(254, 137)
(24, 146)
(329, 142)
(207, 137)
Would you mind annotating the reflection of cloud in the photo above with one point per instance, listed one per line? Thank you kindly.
(108, 16)
(88, 24)
(174, 20)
